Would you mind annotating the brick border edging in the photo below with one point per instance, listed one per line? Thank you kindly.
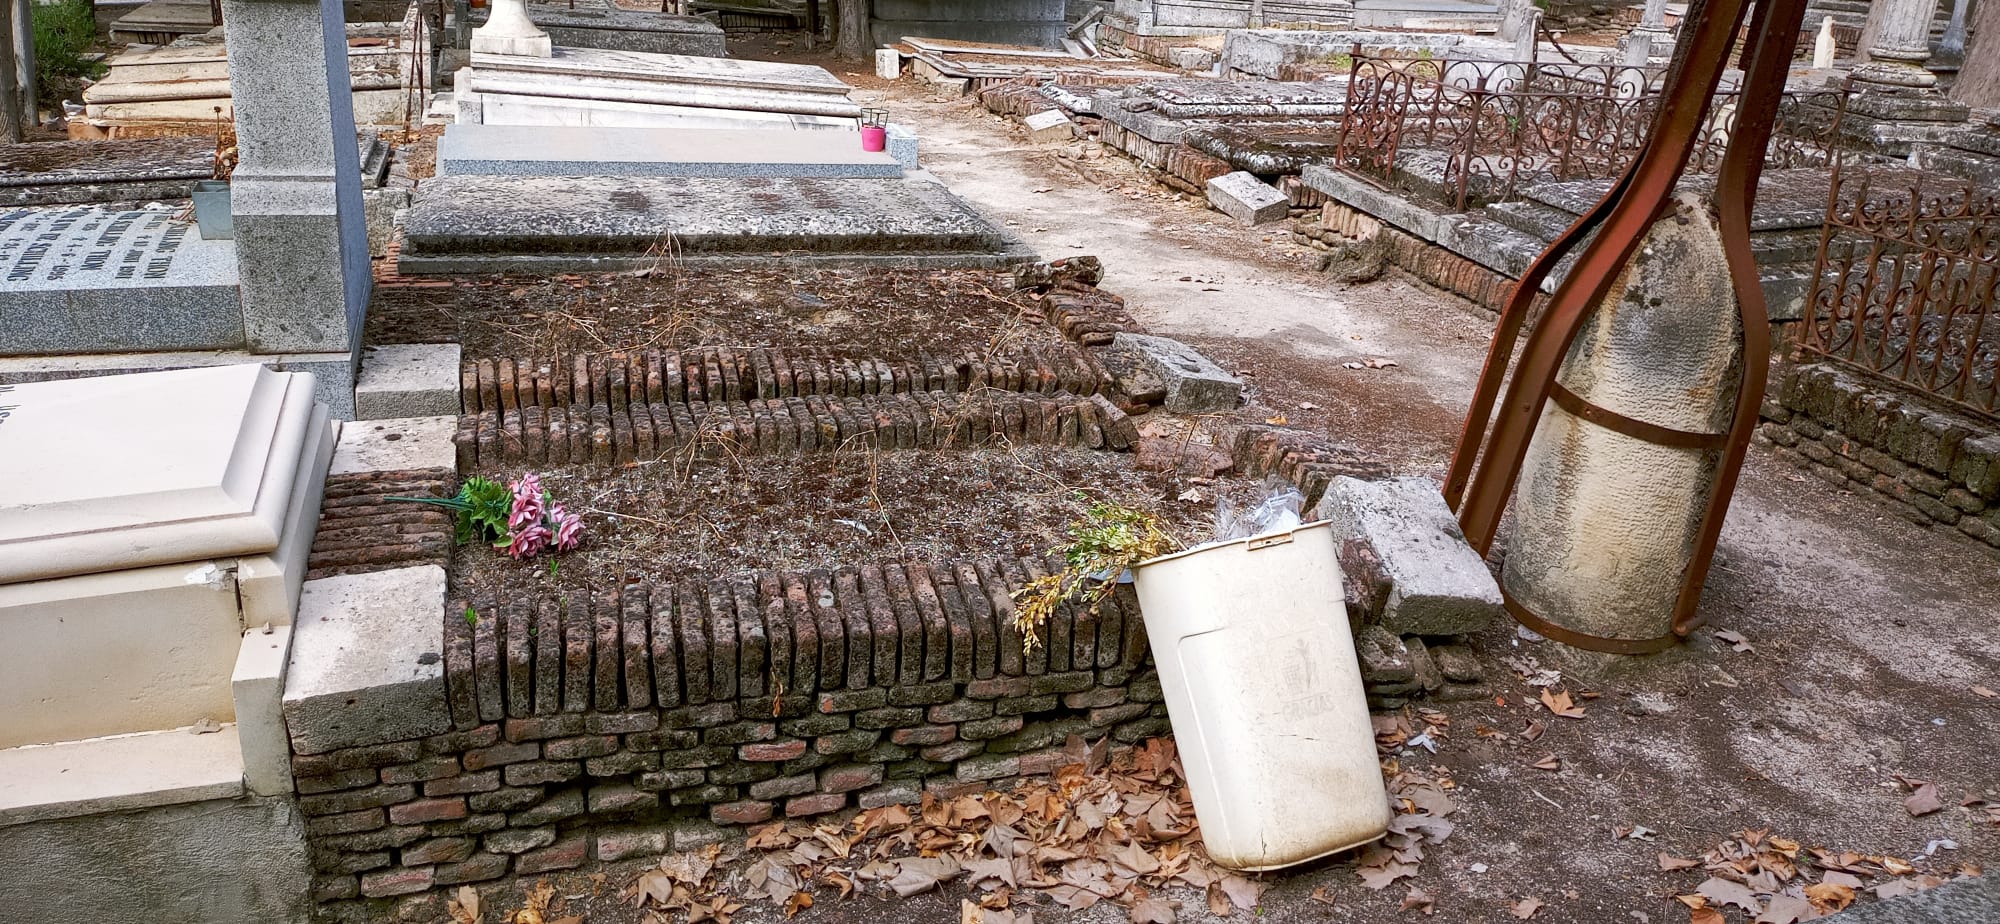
(614, 721)
(360, 530)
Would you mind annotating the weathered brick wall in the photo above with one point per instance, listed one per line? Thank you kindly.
(1934, 468)
(618, 723)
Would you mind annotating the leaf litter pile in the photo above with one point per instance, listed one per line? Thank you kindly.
(1113, 828)
(1777, 880)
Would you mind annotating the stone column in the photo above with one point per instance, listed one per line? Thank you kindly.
(509, 31)
(1902, 41)
(1951, 46)
(1650, 39)
(301, 242)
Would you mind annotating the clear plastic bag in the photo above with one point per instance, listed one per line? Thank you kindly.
(1278, 511)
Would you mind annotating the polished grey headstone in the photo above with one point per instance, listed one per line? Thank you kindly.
(87, 280)
(551, 150)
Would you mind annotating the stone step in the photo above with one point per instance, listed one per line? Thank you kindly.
(1533, 219)
(556, 224)
(118, 774)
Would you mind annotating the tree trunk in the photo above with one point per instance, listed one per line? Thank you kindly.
(1979, 80)
(851, 41)
(10, 89)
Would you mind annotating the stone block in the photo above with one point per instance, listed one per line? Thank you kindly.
(258, 687)
(1195, 384)
(396, 445)
(741, 813)
(1398, 535)
(625, 844)
(367, 662)
(888, 63)
(1049, 126)
(408, 380)
(392, 882)
(802, 806)
(1249, 200)
(568, 853)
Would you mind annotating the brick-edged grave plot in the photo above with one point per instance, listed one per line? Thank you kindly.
(796, 596)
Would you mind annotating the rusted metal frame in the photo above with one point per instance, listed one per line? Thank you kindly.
(1984, 310)
(1624, 214)
(1765, 64)
(1631, 426)
(1810, 337)
(1600, 266)
(1575, 639)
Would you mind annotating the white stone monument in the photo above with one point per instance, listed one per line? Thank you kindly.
(154, 531)
(509, 31)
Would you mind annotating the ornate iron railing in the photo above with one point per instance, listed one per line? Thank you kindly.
(1907, 283)
(1472, 132)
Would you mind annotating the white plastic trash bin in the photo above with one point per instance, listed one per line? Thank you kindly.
(1264, 692)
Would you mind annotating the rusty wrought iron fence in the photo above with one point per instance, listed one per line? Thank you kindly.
(1906, 284)
(1473, 132)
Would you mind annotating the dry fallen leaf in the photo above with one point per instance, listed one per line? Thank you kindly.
(1550, 762)
(1561, 704)
(1724, 892)
(1277, 420)
(1734, 638)
(1828, 897)
(1525, 908)
(1669, 862)
(1706, 916)
(1417, 900)
(1923, 800)
(1985, 691)
(464, 908)
(1323, 895)
(1153, 910)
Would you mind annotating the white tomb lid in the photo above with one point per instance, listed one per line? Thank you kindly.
(123, 471)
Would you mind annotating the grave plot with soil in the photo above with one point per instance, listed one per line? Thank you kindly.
(805, 532)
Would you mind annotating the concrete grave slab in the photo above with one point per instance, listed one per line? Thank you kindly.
(117, 472)
(117, 774)
(399, 444)
(1191, 98)
(407, 380)
(483, 224)
(1247, 199)
(587, 86)
(1402, 545)
(85, 280)
(518, 150)
(82, 172)
(333, 373)
(1195, 385)
(1049, 125)
(367, 663)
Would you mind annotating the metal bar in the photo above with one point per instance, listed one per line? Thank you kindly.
(1764, 68)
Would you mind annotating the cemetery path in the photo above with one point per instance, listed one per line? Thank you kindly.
(1866, 640)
